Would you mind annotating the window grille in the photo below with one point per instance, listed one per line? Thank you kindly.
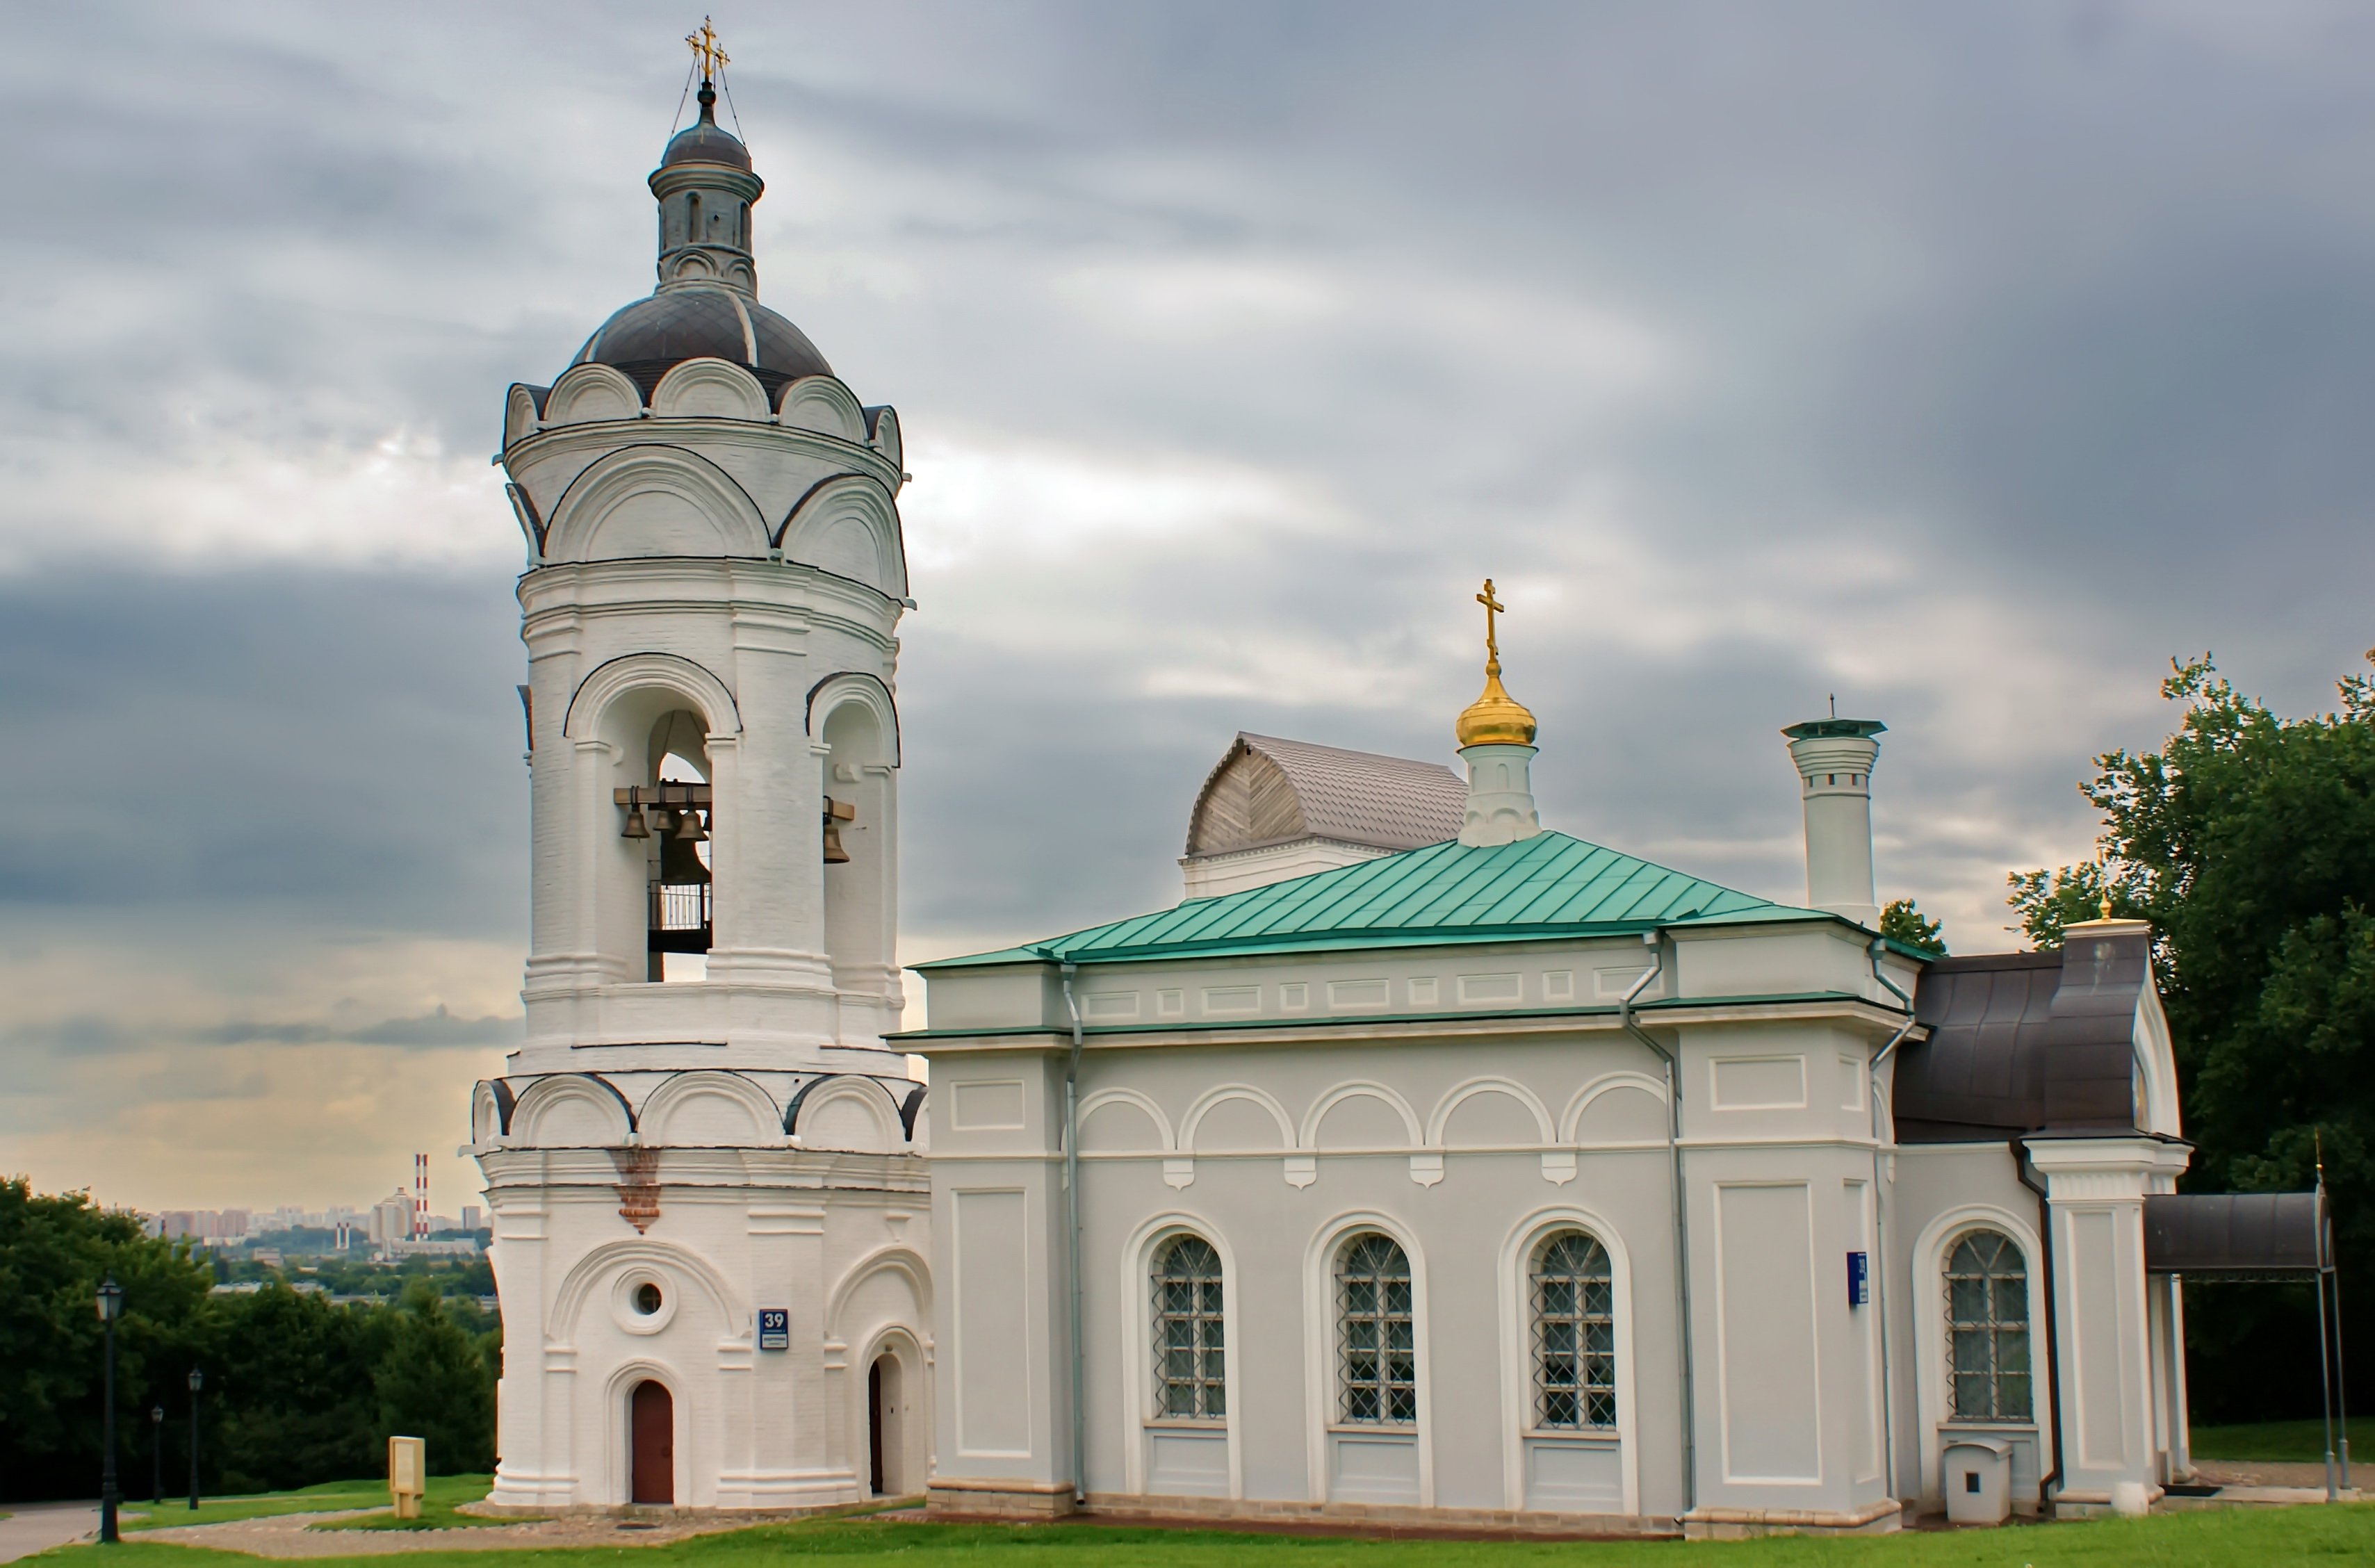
(1190, 1355)
(1986, 1328)
(1575, 1333)
(1376, 1334)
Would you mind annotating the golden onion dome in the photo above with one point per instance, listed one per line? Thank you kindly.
(1496, 718)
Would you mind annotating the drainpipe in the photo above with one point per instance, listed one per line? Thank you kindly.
(1655, 942)
(2020, 1166)
(1880, 1214)
(1072, 1242)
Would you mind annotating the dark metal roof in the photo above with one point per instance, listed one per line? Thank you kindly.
(704, 141)
(2025, 1043)
(676, 325)
(2235, 1236)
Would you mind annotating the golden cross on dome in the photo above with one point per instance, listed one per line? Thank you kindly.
(1492, 605)
(704, 48)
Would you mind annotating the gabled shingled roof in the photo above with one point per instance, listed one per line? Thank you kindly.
(1548, 886)
(1269, 790)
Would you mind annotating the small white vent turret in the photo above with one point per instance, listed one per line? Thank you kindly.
(1833, 758)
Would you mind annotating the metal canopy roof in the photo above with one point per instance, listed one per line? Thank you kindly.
(2271, 1235)
(1547, 886)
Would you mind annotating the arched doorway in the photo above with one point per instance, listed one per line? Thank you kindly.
(651, 1445)
(882, 1435)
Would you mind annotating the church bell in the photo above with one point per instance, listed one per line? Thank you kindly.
(688, 827)
(636, 826)
(681, 864)
(836, 812)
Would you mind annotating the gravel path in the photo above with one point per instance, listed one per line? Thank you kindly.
(286, 1535)
(37, 1526)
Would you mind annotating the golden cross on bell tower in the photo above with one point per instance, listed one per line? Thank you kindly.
(704, 48)
(1492, 606)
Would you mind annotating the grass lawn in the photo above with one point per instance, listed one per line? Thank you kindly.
(2303, 1441)
(443, 1492)
(436, 1508)
(2252, 1536)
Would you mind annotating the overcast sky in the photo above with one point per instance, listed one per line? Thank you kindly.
(1964, 361)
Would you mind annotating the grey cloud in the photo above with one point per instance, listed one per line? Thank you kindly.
(436, 1029)
(2029, 338)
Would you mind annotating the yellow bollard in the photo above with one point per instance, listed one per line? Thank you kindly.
(408, 1474)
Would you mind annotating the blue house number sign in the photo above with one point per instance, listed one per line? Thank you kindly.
(1858, 1279)
(775, 1328)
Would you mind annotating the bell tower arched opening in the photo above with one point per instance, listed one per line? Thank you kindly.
(860, 848)
(657, 892)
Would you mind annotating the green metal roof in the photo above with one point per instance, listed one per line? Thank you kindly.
(1547, 886)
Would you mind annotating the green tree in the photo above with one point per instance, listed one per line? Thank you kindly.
(434, 1383)
(2248, 840)
(54, 1252)
(297, 1401)
(1901, 923)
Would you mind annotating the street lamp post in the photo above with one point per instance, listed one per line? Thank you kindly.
(197, 1381)
(111, 1304)
(157, 1453)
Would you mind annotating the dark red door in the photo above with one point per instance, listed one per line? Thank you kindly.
(651, 1445)
(874, 1429)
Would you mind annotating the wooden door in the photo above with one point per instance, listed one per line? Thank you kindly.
(651, 1445)
(875, 1480)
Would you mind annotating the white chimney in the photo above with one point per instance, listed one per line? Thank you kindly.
(1835, 758)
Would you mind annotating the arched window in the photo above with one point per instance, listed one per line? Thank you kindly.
(1376, 1334)
(1575, 1333)
(1190, 1355)
(1986, 1328)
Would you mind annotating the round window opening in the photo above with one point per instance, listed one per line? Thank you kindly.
(647, 1298)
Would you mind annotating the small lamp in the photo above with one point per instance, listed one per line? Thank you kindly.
(111, 1300)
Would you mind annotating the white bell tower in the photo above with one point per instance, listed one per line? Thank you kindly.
(709, 1205)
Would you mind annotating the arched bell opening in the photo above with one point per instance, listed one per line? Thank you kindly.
(681, 891)
(859, 848)
(658, 892)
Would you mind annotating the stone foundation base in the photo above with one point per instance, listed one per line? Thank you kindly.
(755, 1513)
(1381, 1519)
(1017, 1500)
(1734, 1524)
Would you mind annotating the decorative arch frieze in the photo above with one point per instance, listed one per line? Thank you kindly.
(491, 1111)
(521, 412)
(1223, 1093)
(875, 1099)
(548, 1094)
(653, 500)
(870, 692)
(592, 394)
(1440, 1118)
(1571, 1119)
(848, 525)
(821, 404)
(628, 673)
(882, 434)
(1359, 1090)
(1165, 1139)
(679, 1091)
(708, 389)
